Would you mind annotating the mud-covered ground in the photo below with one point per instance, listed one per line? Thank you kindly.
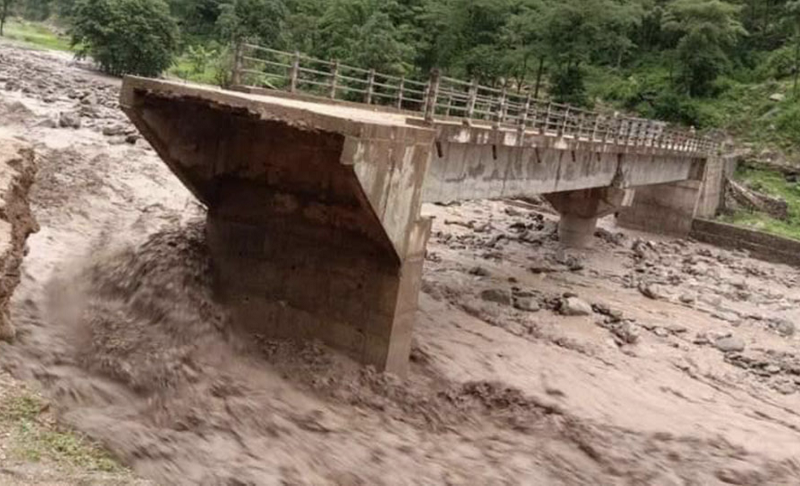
(645, 361)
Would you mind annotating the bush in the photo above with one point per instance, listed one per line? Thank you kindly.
(567, 86)
(125, 36)
(779, 64)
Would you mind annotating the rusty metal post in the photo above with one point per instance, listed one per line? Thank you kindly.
(433, 95)
(370, 86)
(334, 80)
(294, 74)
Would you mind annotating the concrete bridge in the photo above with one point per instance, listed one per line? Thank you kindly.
(314, 204)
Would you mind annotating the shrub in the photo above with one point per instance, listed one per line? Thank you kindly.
(567, 86)
(125, 36)
(779, 63)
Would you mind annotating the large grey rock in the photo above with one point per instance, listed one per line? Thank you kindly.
(526, 303)
(730, 344)
(69, 119)
(499, 296)
(574, 306)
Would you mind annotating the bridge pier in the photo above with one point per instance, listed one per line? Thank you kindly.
(581, 209)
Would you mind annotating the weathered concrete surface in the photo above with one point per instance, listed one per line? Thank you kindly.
(671, 208)
(480, 163)
(17, 172)
(314, 209)
(314, 221)
(580, 211)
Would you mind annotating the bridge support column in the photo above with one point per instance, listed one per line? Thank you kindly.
(580, 211)
(664, 208)
(314, 223)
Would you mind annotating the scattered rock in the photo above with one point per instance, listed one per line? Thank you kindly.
(687, 298)
(526, 303)
(627, 332)
(69, 119)
(479, 271)
(777, 97)
(114, 130)
(573, 306)
(499, 296)
(730, 344)
(651, 291)
(784, 328)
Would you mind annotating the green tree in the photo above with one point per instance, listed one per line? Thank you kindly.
(257, 21)
(707, 30)
(5, 11)
(362, 33)
(793, 17)
(125, 36)
(577, 32)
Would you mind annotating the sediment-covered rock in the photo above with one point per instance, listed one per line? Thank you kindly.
(17, 172)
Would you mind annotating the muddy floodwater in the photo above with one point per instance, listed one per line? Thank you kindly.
(644, 361)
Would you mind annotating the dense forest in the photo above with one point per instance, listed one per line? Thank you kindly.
(707, 63)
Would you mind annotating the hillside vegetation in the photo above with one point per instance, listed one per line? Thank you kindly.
(726, 67)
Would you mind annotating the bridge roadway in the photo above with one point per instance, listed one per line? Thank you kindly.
(314, 218)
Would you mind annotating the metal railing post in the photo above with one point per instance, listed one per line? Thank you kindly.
(433, 95)
(473, 97)
(546, 124)
(400, 92)
(523, 119)
(236, 73)
(294, 74)
(370, 86)
(501, 110)
(563, 128)
(334, 80)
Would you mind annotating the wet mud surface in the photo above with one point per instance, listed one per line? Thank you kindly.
(645, 360)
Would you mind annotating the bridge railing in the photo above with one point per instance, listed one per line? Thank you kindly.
(443, 98)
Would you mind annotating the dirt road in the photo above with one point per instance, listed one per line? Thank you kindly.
(645, 361)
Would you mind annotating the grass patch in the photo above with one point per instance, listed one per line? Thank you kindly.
(772, 183)
(33, 436)
(36, 34)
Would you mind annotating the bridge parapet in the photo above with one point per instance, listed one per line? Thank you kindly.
(441, 98)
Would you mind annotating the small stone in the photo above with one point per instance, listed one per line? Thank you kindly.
(785, 328)
(527, 304)
(498, 296)
(661, 332)
(573, 306)
(132, 138)
(730, 345)
(687, 298)
(777, 97)
(676, 329)
(651, 291)
(113, 130)
(48, 122)
(479, 272)
(773, 369)
(68, 119)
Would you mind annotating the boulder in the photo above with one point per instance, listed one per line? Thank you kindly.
(573, 306)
